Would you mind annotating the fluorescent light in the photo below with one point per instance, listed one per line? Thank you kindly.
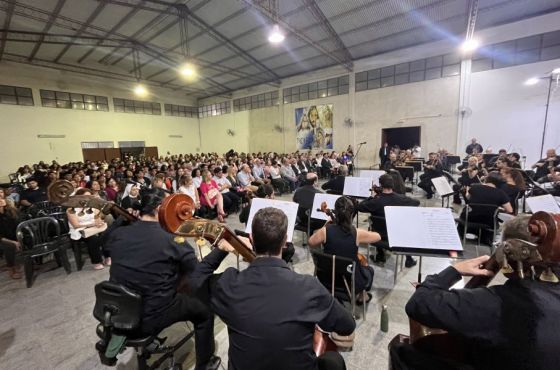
(276, 37)
(470, 45)
(556, 71)
(140, 90)
(532, 81)
(188, 70)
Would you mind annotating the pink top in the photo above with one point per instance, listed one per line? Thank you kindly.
(211, 189)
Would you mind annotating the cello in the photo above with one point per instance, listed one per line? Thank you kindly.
(542, 248)
(176, 216)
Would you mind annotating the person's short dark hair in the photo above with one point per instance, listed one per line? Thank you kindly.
(495, 178)
(268, 231)
(31, 178)
(386, 181)
(516, 156)
(150, 200)
(217, 170)
(264, 190)
(225, 169)
(82, 191)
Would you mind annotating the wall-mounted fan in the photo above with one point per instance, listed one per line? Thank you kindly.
(278, 128)
(230, 132)
(348, 122)
(464, 112)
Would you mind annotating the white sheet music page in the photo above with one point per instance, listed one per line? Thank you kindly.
(545, 203)
(289, 208)
(442, 185)
(422, 227)
(319, 198)
(357, 186)
(374, 175)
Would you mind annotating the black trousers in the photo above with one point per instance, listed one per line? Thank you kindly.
(331, 361)
(95, 249)
(231, 201)
(9, 253)
(426, 184)
(281, 185)
(186, 307)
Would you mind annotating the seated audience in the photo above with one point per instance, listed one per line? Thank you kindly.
(288, 174)
(281, 185)
(33, 193)
(336, 184)
(210, 195)
(186, 186)
(246, 180)
(79, 221)
(231, 200)
(111, 189)
(9, 220)
(131, 198)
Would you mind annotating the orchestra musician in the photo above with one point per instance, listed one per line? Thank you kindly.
(472, 174)
(543, 167)
(509, 326)
(341, 238)
(271, 311)
(151, 261)
(432, 169)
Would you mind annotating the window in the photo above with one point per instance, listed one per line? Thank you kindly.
(66, 100)
(264, 100)
(136, 106)
(321, 89)
(216, 109)
(180, 111)
(16, 95)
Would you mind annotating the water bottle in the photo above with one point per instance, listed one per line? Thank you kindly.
(384, 319)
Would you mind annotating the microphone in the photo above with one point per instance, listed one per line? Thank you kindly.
(365, 142)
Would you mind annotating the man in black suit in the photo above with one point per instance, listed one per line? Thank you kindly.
(384, 153)
(326, 165)
(376, 207)
(304, 196)
(474, 147)
(336, 185)
(271, 311)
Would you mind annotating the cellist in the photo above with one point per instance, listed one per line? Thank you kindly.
(511, 326)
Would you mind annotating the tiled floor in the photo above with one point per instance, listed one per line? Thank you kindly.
(50, 326)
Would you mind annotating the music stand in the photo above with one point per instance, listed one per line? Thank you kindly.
(417, 165)
(453, 160)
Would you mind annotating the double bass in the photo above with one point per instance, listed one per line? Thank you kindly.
(176, 216)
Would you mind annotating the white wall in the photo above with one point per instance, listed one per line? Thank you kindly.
(508, 114)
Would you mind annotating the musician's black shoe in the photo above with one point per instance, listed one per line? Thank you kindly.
(429, 196)
(410, 262)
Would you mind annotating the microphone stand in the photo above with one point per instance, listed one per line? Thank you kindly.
(356, 156)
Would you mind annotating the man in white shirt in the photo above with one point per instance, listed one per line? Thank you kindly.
(231, 200)
(288, 174)
(258, 170)
(245, 178)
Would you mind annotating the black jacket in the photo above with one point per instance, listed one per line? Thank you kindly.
(512, 326)
(336, 185)
(271, 314)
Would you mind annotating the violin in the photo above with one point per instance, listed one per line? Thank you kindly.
(60, 192)
(176, 216)
(325, 209)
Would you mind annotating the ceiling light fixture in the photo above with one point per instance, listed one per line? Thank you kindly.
(556, 71)
(532, 81)
(470, 45)
(188, 70)
(140, 90)
(276, 36)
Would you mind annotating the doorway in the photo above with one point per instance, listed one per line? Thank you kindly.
(404, 137)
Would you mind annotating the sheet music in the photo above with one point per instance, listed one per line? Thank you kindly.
(317, 200)
(442, 185)
(357, 186)
(545, 203)
(422, 227)
(289, 208)
(372, 174)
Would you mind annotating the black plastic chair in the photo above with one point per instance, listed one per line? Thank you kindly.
(478, 227)
(40, 237)
(119, 311)
(304, 228)
(337, 274)
(42, 209)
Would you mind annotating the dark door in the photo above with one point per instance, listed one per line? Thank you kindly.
(404, 137)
